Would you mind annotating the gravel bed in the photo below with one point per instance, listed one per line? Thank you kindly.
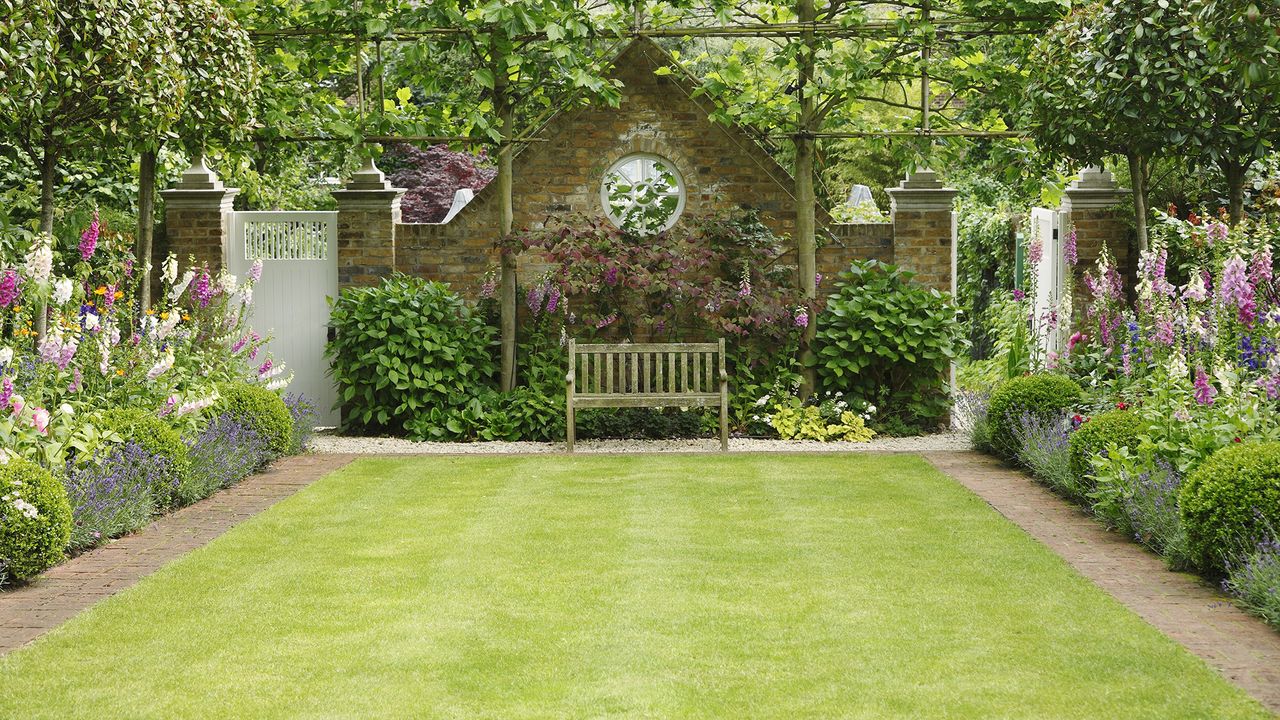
(330, 443)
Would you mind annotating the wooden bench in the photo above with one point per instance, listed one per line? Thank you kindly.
(622, 375)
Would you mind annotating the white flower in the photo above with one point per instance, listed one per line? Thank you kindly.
(62, 288)
(871, 409)
(170, 273)
(26, 508)
(280, 383)
(161, 367)
(181, 287)
(90, 321)
(40, 259)
(227, 282)
(66, 409)
(6, 356)
(762, 401)
(247, 294)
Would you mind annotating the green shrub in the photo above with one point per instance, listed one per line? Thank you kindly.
(261, 410)
(1119, 427)
(404, 348)
(156, 437)
(888, 341)
(1043, 395)
(642, 423)
(523, 414)
(1230, 501)
(35, 519)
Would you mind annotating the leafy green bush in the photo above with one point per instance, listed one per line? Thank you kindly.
(1119, 427)
(156, 437)
(1230, 501)
(644, 423)
(523, 414)
(888, 341)
(824, 421)
(1044, 396)
(404, 348)
(262, 411)
(35, 518)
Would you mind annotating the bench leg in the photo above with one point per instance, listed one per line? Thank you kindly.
(569, 425)
(724, 420)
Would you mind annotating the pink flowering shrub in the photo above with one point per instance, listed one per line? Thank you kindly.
(720, 277)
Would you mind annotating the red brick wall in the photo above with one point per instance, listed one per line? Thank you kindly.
(722, 168)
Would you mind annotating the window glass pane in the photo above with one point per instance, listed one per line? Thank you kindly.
(643, 194)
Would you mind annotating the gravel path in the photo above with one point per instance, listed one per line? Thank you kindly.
(328, 443)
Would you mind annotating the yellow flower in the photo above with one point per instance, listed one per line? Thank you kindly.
(150, 311)
(120, 373)
(118, 295)
(185, 317)
(17, 309)
(101, 290)
(164, 315)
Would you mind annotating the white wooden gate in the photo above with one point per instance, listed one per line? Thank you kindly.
(299, 253)
(1049, 228)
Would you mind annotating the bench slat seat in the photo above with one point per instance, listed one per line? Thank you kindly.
(655, 375)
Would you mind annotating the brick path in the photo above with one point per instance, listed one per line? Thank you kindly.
(1241, 647)
(29, 611)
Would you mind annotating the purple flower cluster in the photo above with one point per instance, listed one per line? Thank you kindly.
(223, 454)
(204, 289)
(9, 287)
(114, 493)
(1255, 581)
(1150, 502)
(303, 412)
(89, 239)
(1205, 391)
(1070, 250)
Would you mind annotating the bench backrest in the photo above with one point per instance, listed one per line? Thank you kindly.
(646, 368)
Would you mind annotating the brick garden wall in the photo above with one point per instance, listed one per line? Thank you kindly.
(722, 168)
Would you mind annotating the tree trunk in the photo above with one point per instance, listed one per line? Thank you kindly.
(806, 203)
(48, 168)
(1138, 167)
(1234, 173)
(507, 296)
(146, 225)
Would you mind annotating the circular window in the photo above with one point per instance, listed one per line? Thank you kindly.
(643, 194)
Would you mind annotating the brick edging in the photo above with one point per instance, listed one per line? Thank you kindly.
(1182, 606)
(31, 610)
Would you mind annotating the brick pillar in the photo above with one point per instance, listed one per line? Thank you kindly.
(197, 216)
(922, 228)
(1092, 204)
(368, 212)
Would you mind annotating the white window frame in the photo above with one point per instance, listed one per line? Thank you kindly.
(646, 169)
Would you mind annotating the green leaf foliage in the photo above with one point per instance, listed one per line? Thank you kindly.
(1231, 502)
(1114, 427)
(35, 519)
(406, 348)
(1042, 395)
(888, 341)
(261, 410)
(156, 437)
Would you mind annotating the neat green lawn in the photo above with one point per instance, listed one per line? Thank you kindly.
(639, 586)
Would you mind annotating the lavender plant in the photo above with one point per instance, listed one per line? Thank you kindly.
(224, 453)
(969, 414)
(1139, 495)
(1254, 581)
(1044, 447)
(303, 412)
(114, 494)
